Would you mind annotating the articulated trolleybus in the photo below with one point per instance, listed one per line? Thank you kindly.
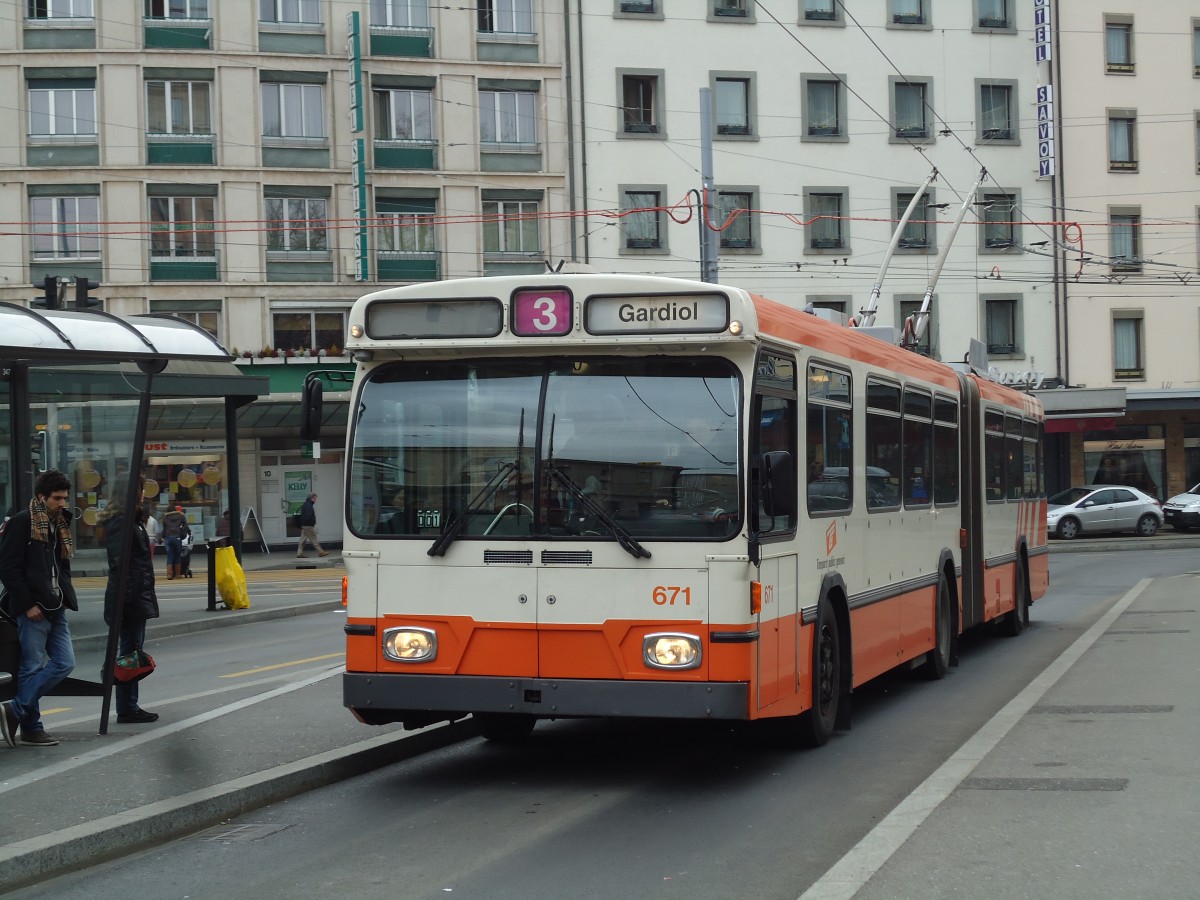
(615, 495)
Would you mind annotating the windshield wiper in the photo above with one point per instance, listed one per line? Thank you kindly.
(593, 509)
(458, 520)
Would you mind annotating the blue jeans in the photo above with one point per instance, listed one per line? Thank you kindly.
(47, 657)
(132, 636)
(174, 546)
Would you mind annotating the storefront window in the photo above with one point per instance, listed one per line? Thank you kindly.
(191, 474)
(1132, 455)
(1191, 454)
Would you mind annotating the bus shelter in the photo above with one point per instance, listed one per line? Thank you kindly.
(78, 389)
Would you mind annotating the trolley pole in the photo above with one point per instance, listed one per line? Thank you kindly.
(708, 236)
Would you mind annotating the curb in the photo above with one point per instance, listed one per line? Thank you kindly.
(1118, 544)
(220, 618)
(47, 856)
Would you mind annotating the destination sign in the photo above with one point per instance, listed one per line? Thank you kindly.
(413, 319)
(661, 314)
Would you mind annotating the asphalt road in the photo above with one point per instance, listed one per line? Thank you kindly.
(596, 809)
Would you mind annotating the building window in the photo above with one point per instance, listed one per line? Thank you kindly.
(1122, 140)
(407, 232)
(404, 114)
(1128, 353)
(822, 11)
(910, 110)
(824, 111)
(734, 101)
(58, 9)
(1118, 45)
(639, 7)
(400, 13)
(735, 216)
(908, 310)
(908, 12)
(1000, 228)
(1125, 240)
(296, 225)
(318, 329)
(639, 103)
(62, 110)
(833, 303)
(182, 227)
(177, 9)
(179, 107)
(993, 14)
(643, 220)
(997, 114)
(731, 9)
(205, 314)
(918, 232)
(506, 16)
(293, 111)
(292, 12)
(65, 227)
(1195, 49)
(508, 117)
(824, 215)
(1001, 324)
(510, 226)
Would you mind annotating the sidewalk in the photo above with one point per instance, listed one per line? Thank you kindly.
(1085, 785)
(183, 602)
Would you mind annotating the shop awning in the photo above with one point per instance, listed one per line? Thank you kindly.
(1081, 409)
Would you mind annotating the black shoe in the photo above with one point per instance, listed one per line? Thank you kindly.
(8, 724)
(39, 739)
(136, 717)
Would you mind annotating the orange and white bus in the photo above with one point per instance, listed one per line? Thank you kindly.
(615, 495)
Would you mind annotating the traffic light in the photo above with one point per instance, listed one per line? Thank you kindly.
(37, 453)
(49, 298)
(82, 286)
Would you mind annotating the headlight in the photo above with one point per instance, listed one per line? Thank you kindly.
(410, 644)
(671, 651)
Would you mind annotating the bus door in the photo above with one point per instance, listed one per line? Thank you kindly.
(591, 621)
(778, 625)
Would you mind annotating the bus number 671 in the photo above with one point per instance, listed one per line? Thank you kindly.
(666, 596)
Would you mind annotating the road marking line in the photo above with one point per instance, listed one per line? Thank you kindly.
(298, 662)
(120, 746)
(859, 865)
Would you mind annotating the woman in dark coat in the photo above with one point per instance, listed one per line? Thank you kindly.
(140, 603)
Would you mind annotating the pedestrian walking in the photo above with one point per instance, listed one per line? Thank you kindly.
(174, 526)
(35, 568)
(307, 520)
(140, 602)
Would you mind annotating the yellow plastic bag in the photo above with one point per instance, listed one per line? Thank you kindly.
(231, 580)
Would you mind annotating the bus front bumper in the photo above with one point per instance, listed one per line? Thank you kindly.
(390, 697)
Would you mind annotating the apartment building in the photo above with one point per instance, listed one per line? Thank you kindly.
(1128, 94)
(256, 167)
(827, 118)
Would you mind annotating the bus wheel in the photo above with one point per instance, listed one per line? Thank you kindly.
(1014, 622)
(937, 660)
(817, 724)
(505, 728)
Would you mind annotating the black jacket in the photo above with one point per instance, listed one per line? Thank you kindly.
(140, 600)
(308, 513)
(27, 568)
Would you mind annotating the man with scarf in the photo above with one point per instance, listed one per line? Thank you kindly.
(35, 567)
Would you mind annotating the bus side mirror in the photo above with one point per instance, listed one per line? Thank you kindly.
(311, 411)
(778, 484)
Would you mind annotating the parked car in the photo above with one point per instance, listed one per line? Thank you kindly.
(1183, 510)
(1100, 508)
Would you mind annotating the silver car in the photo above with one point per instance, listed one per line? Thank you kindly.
(1183, 510)
(1100, 508)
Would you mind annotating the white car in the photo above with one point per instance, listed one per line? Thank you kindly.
(1099, 508)
(1183, 510)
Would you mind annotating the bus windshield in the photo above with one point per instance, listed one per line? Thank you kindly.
(516, 449)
